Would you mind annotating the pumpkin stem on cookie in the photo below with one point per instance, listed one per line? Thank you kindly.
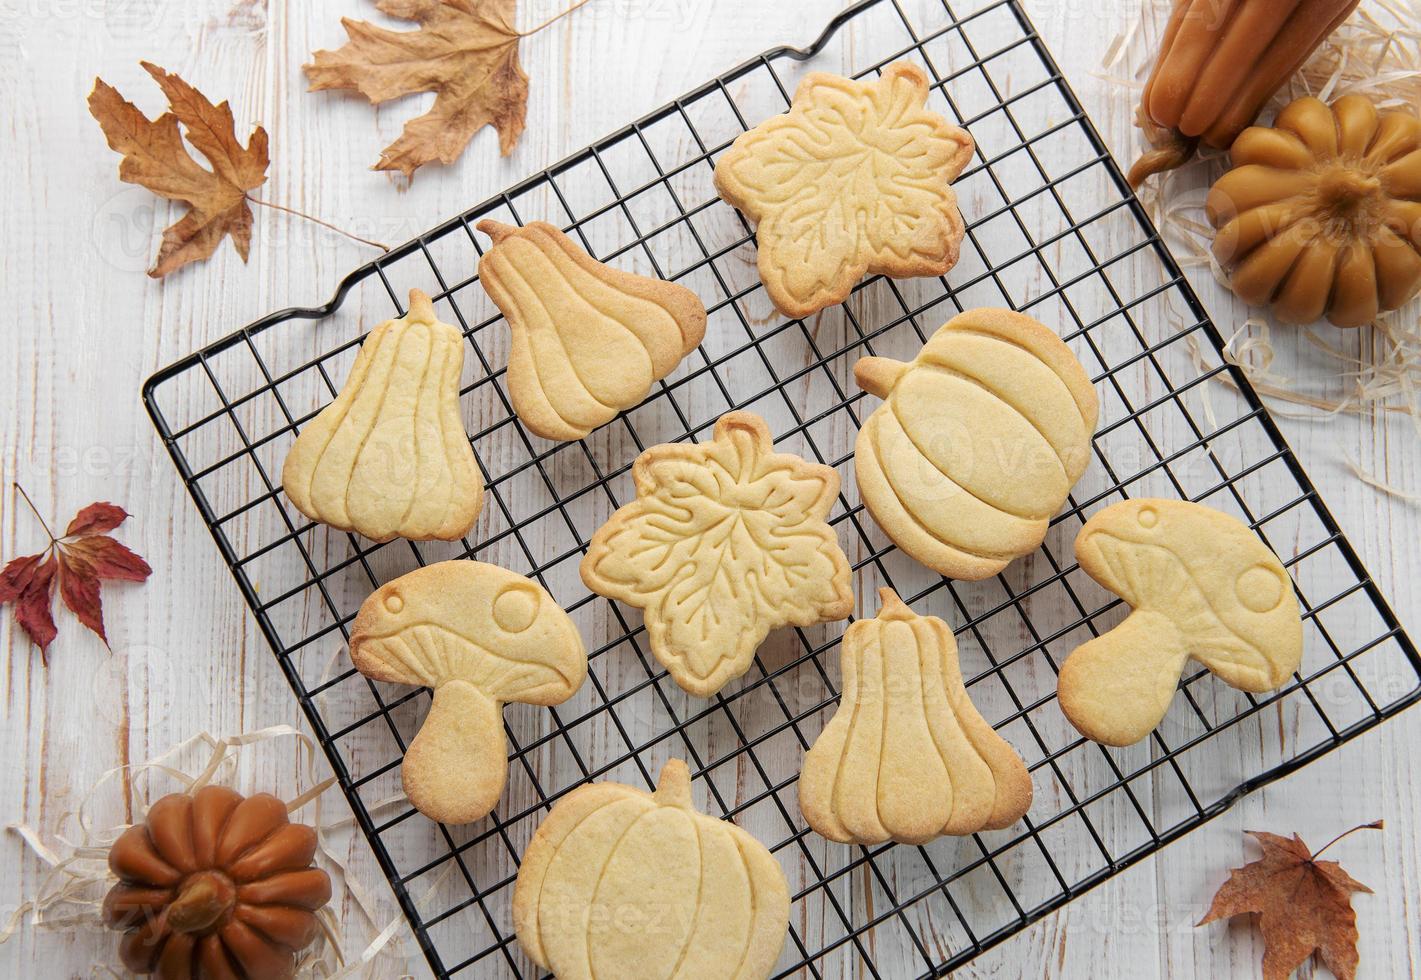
(892, 607)
(496, 230)
(878, 375)
(673, 786)
(421, 308)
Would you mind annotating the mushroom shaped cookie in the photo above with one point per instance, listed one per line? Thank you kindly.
(588, 340)
(479, 636)
(907, 757)
(1321, 214)
(215, 886)
(978, 442)
(1201, 584)
(389, 457)
(622, 884)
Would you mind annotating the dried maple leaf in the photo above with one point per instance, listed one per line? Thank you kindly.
(725, 541)
(81, 559)
(155, 157)
(466, 51)
(1304, 905)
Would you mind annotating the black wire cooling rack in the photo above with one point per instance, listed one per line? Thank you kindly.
(1052, 231)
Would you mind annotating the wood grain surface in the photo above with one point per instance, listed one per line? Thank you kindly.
(84, 327)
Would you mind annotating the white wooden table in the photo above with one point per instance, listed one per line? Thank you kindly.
(86, 328)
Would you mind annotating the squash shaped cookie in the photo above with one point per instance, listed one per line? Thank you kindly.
(978, 442)
(725, 542)
(389, 458)
(588, 340)
(621, 884)
(1201, 585)
(852, 180)
(480, 636)
(907, 757)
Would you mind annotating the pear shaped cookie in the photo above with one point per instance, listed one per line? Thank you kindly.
(622, 884)
(852, 180)
(978, 442)
(1201, 585)
(389, 457)
(588, 340)
(907, 757)
(479, 636)
(725, 542)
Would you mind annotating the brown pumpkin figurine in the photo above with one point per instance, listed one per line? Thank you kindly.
(1321, 214)
(215, 886)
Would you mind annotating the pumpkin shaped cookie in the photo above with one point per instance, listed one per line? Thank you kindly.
(726, 541)
(479, 636)
(978, 442)
(853, 180)
(389, 457)
(589, 341)
(215, 886)
(907, 757)
(1201, 585)
(1321, 214)
(622, 884)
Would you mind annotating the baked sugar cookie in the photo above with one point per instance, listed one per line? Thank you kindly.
(907, 757)
(389, 457)
(1202, 585)
(622, 884)
(852, 180)
(588, 340)
(479, 636)
(726, 541)
(978, 442)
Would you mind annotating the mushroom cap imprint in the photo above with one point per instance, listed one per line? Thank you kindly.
(480, 636)
(1202, 585)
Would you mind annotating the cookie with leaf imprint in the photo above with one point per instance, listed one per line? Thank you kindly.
(853, 180)
(1201, 585)
(479, 636)
(725, 541)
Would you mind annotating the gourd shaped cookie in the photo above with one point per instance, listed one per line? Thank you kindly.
(389, 457)
(622, 884)
(1321, 214)
(479, 636)
(588, 340)
(852, 180)
(907, 757)
(978, 442)
(1201, 585)
(725, 542)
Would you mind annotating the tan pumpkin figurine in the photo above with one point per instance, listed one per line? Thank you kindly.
(215, 886)
(907, 757)
(589, 340)
(622, 884)
(978, 442)
(1321, 214)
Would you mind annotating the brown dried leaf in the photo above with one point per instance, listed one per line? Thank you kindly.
(466, 51)
(155, 157)
(1304, 906)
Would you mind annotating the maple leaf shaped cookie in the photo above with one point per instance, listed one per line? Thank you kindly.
(725, 542)
(852, 180)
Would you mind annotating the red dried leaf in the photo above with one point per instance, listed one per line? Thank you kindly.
(80, 560)
(1304, 905)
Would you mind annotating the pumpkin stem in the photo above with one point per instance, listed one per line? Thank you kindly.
(203, 901)
(673, 787)
(496, 230)
(421, 309)
(878, 375)
(891, 606)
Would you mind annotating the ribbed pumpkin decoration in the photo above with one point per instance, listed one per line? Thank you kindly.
(215, 886)
(588, 340)
(1219, 63)
(389, 457)
(621, 884)
(907, 757)
(1321, 213)
(978, 443)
